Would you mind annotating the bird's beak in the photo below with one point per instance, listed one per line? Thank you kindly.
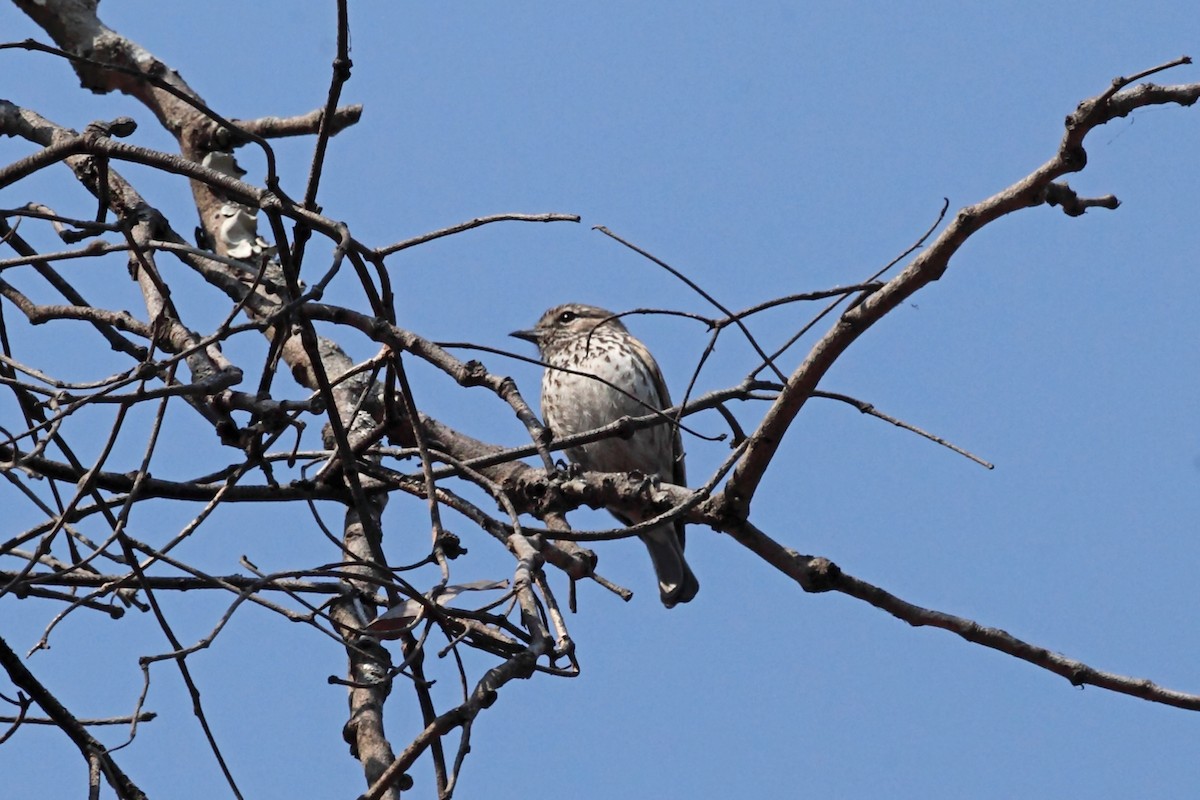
(529, 336)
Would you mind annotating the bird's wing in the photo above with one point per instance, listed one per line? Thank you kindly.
(678, 470)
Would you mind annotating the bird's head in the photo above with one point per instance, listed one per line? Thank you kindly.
(566, 322)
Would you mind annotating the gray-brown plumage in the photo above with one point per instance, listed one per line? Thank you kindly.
(584, 338)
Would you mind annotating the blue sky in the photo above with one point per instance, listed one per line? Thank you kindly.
(764, 150)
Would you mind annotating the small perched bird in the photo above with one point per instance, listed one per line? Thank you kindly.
(588, 340)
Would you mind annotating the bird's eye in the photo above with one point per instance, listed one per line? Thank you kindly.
(567, 316)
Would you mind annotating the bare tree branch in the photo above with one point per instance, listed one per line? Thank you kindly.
(89, 747)
(930, 265)
(314, 425)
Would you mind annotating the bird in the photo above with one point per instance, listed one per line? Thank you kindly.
(589, 340)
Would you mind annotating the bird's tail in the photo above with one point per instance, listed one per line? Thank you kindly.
(676, 583)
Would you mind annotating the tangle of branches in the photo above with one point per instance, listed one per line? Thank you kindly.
(301, 423)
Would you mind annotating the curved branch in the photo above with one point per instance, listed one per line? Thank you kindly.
(929, 266)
